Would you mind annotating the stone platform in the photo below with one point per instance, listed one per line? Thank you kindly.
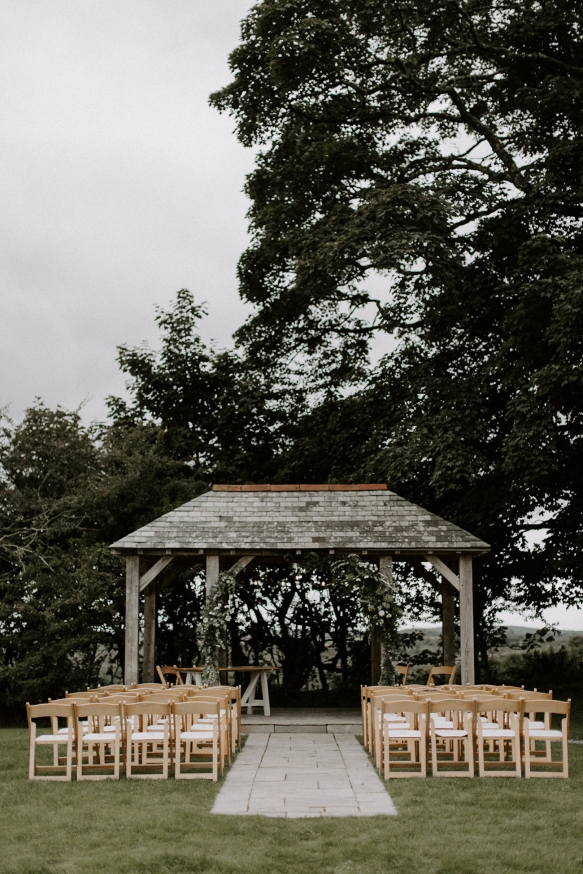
(303, 721)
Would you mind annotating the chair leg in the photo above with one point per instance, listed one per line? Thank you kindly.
(434, 767)
(165, 754)
(80, 757)
(116, 754)
(516, 753)
(177, 746)
(32, 756)
(70, 755)
(565, 753)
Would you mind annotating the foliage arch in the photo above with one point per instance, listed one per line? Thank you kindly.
(350, 575)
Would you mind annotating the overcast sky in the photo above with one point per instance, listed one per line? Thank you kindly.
(119, 185)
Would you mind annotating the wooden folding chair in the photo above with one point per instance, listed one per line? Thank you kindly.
(530, 700)
(169, 671)
(152, 687)
(197, 738)
(369, 722)
(376, 701)
(443, 671)
(167, 696)
(233, 693)
(98, 735)
(533, 733)
(365, 693)
(111, 688)
(498, 736)
(54, 712)
(147, 750)
(451, 731)
(214, 693)
(403, 672)
(411, 733)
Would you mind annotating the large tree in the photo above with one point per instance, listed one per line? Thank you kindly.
(418, 184)
(404, 138)
(66, 492)
(221, 416)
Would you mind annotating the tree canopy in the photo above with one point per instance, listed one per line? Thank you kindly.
(419, 185)
(435, 143)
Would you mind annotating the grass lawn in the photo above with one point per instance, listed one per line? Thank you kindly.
(151, 827)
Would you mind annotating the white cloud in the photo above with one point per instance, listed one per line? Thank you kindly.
(120, 185)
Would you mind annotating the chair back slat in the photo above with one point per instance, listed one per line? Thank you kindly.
(97, 708)
(61, 711)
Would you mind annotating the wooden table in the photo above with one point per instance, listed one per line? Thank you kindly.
(248, 700)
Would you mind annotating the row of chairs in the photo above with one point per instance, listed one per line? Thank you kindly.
(504, 727)
(139, 691)
(144, 730)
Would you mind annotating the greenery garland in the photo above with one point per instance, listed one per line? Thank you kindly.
(215, 613)
(350, 575)
(378, 604)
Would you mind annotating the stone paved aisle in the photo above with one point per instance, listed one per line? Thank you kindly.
(298, 775)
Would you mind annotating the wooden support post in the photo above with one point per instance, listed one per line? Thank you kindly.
(149, 670)
(212, 573)
(386, 568)
(132, 620)
(467, 619)
(212, 576)
(448, 623)
(376, 647)
(375, 659)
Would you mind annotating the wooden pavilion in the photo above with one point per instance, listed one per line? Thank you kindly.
(233, 525)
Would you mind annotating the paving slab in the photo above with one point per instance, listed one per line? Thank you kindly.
(303, 775)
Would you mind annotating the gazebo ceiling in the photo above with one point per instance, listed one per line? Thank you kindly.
(265, 519)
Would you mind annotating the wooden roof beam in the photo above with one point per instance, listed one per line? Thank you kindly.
(156, 569)
(444, 570)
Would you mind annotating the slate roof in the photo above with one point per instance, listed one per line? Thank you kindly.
(278, 518)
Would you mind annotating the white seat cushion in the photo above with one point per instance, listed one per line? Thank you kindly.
(196, 735)
(406, 733)
(545, 734)
(394, 717)
(138, 736)
(51, 739)
(497, 732)
(450, 732)
(94, 737)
